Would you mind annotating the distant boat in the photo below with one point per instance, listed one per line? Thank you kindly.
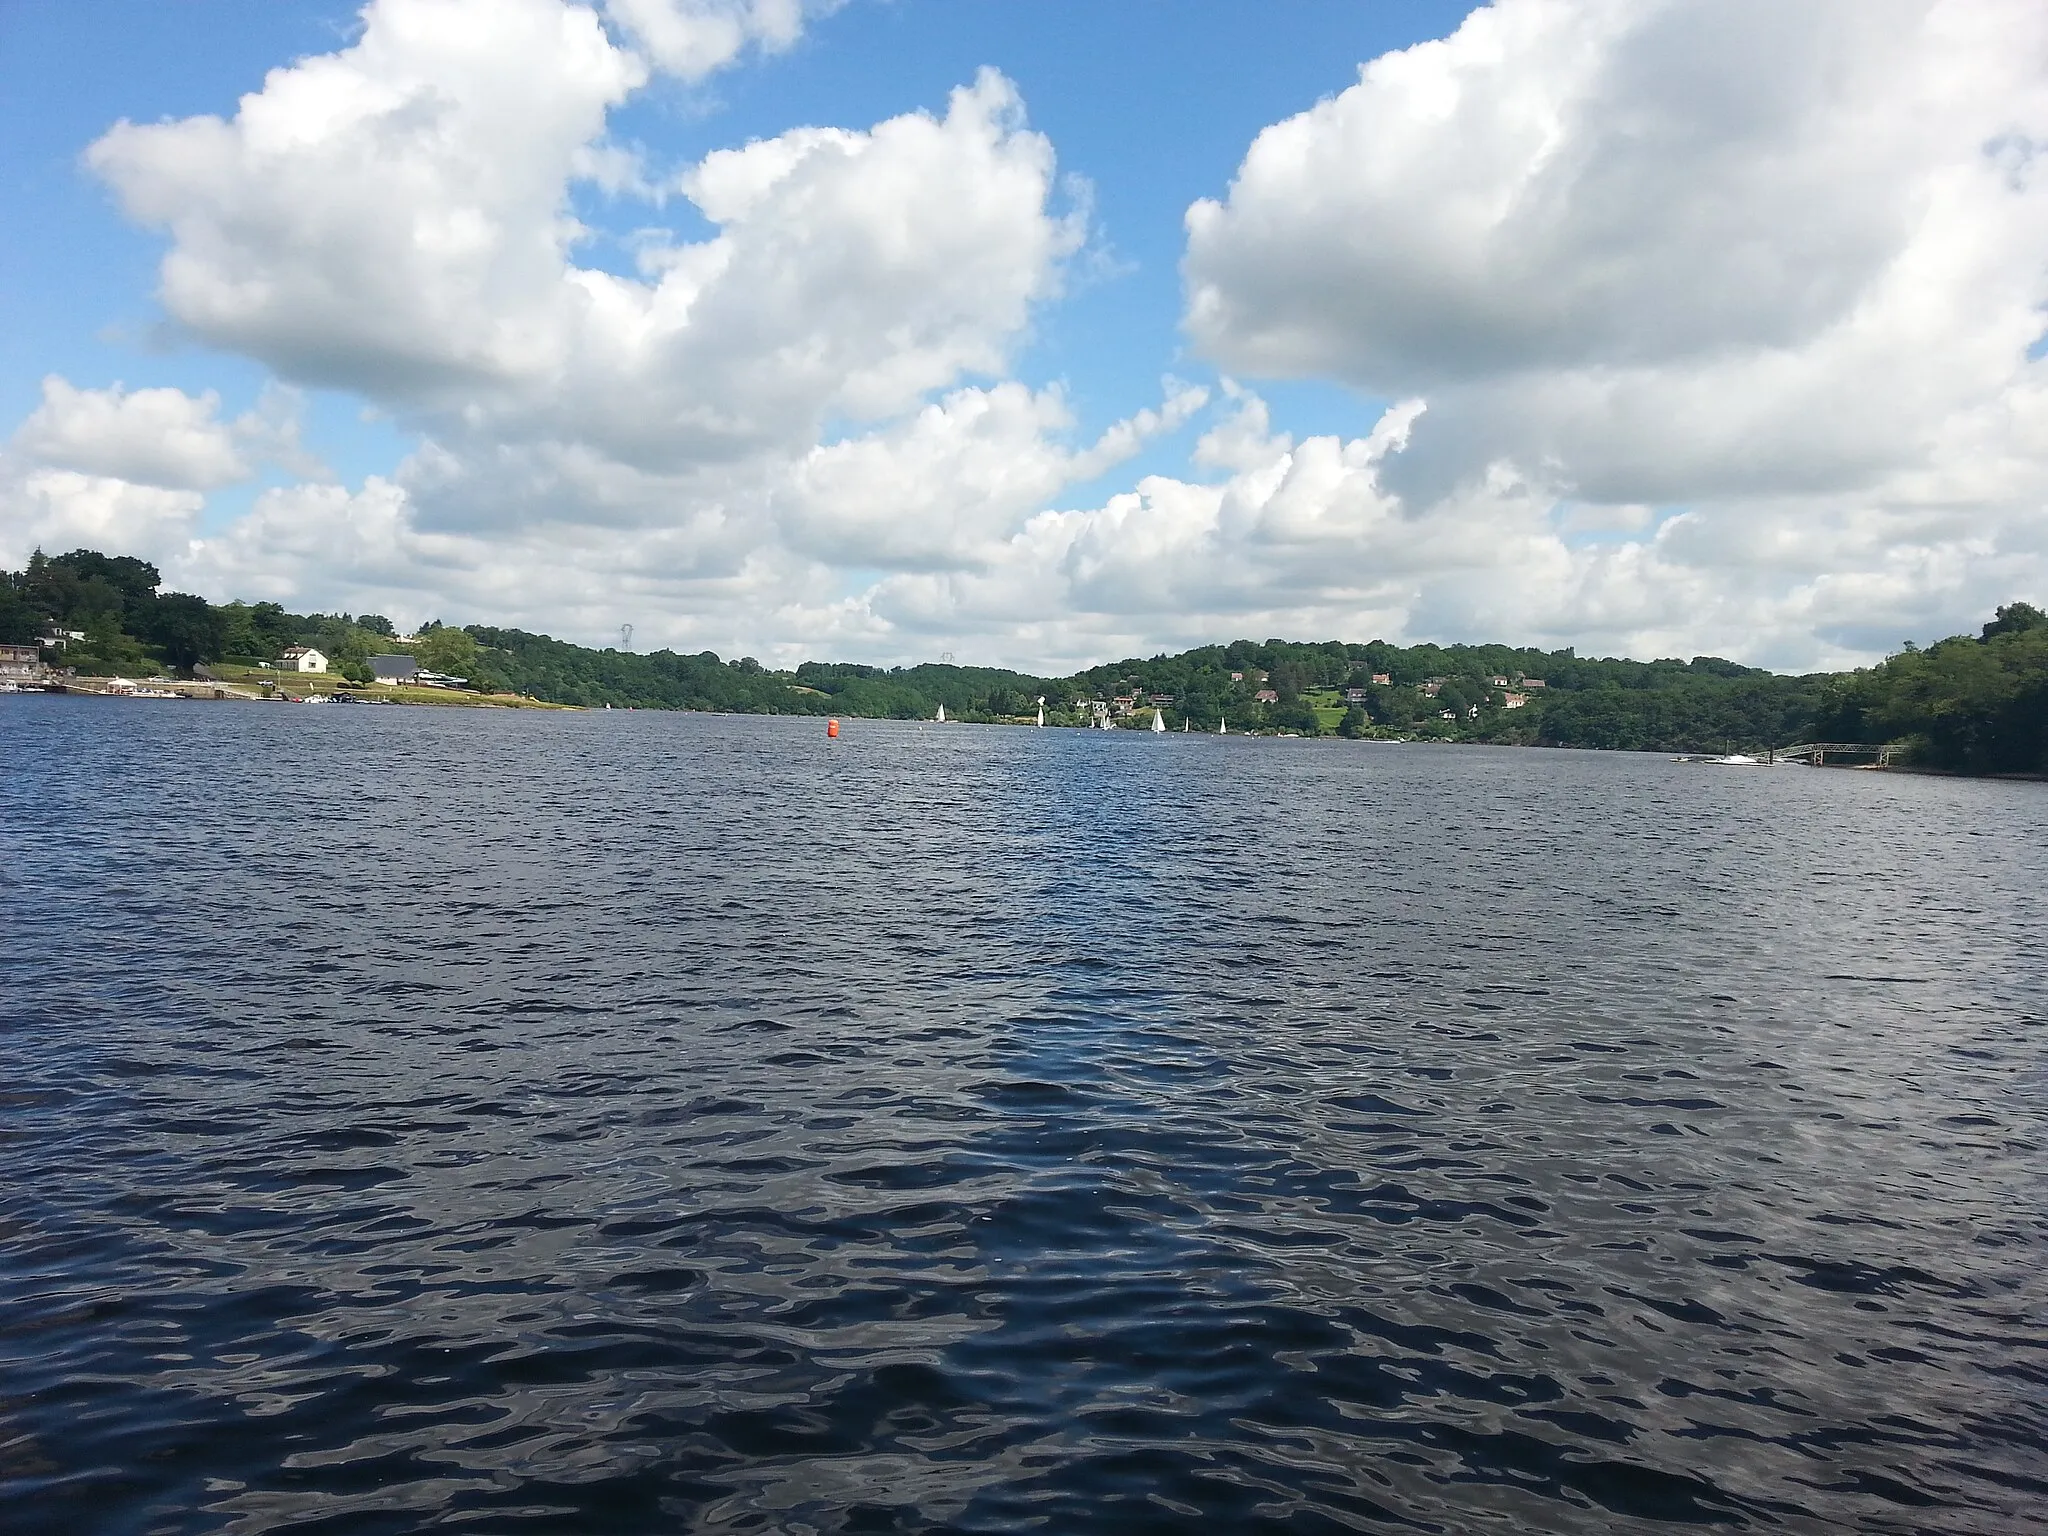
(1158, 721)
(1041, 711)
(1222, 726)
(940, 717)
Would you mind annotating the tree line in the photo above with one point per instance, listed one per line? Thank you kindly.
(1976, 704)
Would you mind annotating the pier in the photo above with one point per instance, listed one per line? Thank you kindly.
(1818, 752)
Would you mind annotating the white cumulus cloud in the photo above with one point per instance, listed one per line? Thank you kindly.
(692, 38)
(159, 437)
(1775, 268)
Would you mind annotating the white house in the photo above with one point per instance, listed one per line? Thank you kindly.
(301, 658)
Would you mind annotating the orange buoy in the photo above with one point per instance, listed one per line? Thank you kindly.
(832, 729)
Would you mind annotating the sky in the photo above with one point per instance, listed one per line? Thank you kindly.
(1040, 334)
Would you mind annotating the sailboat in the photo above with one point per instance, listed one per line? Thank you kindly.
(1041, 711)
(940, 717)
(1222, 726)
(1158, 721)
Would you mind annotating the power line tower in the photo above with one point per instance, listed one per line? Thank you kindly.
(625, 637)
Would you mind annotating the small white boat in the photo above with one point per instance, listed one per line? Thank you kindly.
(1738, 759)
(1041, 710)
(1222, 726)
(940, 717)
(1158, 721)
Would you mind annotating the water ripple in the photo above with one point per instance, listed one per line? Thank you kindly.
(634, 1123)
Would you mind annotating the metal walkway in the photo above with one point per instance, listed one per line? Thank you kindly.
(1818, 752)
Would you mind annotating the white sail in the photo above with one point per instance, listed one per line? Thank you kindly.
(1222, 726)
(1041, 711)
(1158, 721)
(940, 717)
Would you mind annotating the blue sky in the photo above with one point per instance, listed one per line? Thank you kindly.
(1540, 332)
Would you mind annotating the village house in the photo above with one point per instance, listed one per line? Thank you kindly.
(1160, 699)
(394, 669)
(1354, 695)
(1498, 682)
(1383, 679)
(20, 664)
(301, 658)
(1432, 688)
(1267, 696)
(1534, 682)
(1514, 700)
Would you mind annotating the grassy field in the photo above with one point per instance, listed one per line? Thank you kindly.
(302, 684)
(1329, 706)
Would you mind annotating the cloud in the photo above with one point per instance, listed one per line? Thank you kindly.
(1660, 251)
(157, 437)
(62, 509)
(127, 470)
(693, 38)
(393, 220)
(945, 488)
(1775, 269)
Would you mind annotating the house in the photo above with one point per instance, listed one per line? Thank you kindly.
(1267, 696)
(1159, 700)
(394, 669)
(1514, 701)
(1432, 688)
(1534, 682)
(1237, 677)
(60, 638)
(301, 658)
(1497, 682)
(1383, 679)
(1354, 695)
(20, 663)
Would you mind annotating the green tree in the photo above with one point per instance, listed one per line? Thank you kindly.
(452, 651)
(20, 623)
(187, 629)
(2016, 619)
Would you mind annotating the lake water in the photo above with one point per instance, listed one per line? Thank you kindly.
(629, 1123)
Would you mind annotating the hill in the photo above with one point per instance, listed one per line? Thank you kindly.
(1972, 704)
